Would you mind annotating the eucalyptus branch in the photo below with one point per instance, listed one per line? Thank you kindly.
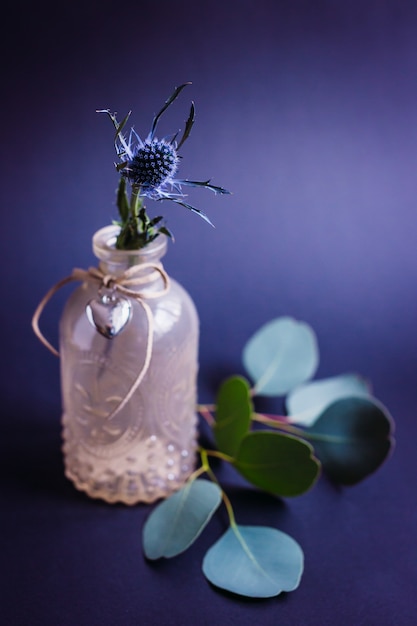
(205, 411)
(205, 463)
(277, 422)
(220, 455)
(198, 472)
(207, 407)
(229, 508)
(338, 429)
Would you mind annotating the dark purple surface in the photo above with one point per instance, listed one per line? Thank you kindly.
(307, 112)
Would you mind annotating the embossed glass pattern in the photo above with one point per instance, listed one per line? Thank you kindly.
(146, 450)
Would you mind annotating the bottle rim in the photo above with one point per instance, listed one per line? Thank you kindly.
(104, 241)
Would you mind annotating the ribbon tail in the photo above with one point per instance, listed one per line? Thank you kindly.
(40, 308)
(145, 367)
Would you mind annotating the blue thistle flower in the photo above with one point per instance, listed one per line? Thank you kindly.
(150, 166)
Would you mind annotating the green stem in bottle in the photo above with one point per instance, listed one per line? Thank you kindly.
(135, 205)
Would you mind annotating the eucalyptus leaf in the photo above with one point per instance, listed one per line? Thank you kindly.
(352, 438)
(277, 463)
(281, 355)
(177, 522)
(233, 414)
(254, 561)
(307, 402)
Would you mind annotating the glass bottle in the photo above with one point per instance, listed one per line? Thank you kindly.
(146, 450)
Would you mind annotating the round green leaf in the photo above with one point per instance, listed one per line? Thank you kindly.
(280, 356)
(307, 402)
(254, 561)
(278, 463)
(233, 414)
(177, 522)
(352, 438)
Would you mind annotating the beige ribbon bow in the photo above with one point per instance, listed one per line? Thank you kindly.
(133, 277)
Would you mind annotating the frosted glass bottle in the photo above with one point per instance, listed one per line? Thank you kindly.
(146, 450)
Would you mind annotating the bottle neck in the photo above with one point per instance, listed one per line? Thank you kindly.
(117, 262)
(114, 261)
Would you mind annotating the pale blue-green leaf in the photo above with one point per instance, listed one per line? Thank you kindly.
(306, 403)
(177, 522)
(352, 438)
(254, 561)
(281, 355)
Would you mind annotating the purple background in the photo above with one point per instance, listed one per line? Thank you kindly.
(307, 112)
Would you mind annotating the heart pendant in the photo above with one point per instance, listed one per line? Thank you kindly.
(109, 314)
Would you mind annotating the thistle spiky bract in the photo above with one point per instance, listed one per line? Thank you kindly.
(149, 166)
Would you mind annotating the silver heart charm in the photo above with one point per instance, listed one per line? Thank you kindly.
(109, 314)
